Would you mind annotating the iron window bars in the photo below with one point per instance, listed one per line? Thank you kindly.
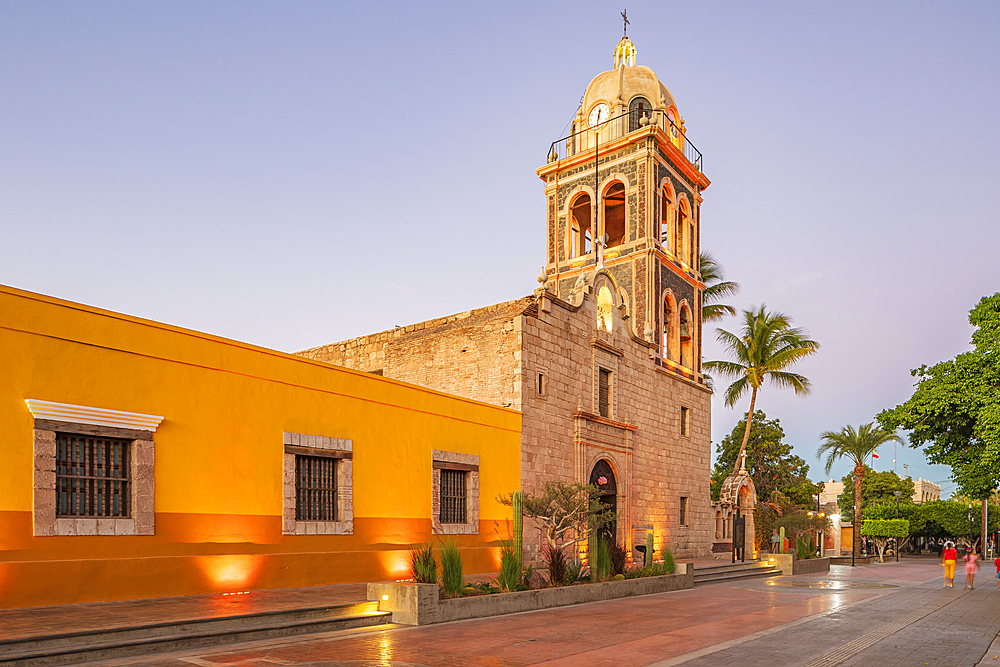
(92, 476)
(453, 494)
(315, 488)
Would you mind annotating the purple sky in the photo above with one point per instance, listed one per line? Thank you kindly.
(300, 173)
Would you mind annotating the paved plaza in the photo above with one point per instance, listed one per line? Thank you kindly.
(891, 614)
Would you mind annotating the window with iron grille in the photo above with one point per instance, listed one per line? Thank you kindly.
(92, 476)
(604, 393)
(453, 493)
(315, 488)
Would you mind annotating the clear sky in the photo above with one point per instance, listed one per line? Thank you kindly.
(293, 174)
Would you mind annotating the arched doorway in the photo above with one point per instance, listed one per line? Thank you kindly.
(603, 477)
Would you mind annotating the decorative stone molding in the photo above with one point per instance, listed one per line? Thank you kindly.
(344, 525)
(141, 481)
(455, 461)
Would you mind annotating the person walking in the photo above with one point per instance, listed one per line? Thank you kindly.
(997, 563)
(971, 567)
(948, 557)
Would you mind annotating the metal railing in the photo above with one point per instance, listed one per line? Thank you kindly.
(619, 126)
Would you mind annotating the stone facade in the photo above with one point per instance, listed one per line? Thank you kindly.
(507, 347)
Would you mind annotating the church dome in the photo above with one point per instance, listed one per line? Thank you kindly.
(626, 82)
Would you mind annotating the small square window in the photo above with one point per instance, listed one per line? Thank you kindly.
(453, 495)
(685, 421)
(315, 488)
(318, 484)
(683, 515)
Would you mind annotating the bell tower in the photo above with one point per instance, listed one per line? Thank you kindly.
(623, 197)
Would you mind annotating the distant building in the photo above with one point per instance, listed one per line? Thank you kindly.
(925, 491)
(831, 490)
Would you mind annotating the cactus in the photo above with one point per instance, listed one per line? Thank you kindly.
(647, 558)
(518, 536)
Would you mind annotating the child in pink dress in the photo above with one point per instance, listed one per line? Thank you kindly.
(971, 567)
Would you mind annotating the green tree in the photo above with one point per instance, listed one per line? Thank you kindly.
(566, 513)
(912, 512)
(883, 530)
(856, 445)
(766, 346)
(716, 289)
(770, 462)
(955, 408)
(877, 487)
(940, 519)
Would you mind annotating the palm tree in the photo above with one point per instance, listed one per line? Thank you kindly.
(857, 446)
(716, 288)
(766, 346)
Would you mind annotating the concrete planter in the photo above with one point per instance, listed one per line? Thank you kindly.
(418, 604)
(790, 564)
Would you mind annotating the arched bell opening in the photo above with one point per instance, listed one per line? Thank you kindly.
(581, 229)
(638, 109)
(686, 332)
(614, 214)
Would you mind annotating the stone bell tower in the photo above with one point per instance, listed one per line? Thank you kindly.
(623, 196)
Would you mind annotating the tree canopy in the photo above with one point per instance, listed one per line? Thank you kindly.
(770, 462)
(955, 407)
(877, 487)
(939, 519)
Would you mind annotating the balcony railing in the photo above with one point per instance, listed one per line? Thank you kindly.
(618, 127)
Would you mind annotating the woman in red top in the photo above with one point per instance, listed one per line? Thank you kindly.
(948, 558)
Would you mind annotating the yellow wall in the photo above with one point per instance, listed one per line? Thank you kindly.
(218, 465)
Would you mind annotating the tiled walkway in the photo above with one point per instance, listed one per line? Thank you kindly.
(782, 621)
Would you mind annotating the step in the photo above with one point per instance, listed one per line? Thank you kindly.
(730, 567)
(734, 576)
(121, 642)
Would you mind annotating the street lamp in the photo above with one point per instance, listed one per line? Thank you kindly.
(854, 523)
(897, 494)
(970, 528)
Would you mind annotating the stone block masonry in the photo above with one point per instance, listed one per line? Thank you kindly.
(545, 356)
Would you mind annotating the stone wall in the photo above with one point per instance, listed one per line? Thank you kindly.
(471, 354)
(496, 354)
(563, 436)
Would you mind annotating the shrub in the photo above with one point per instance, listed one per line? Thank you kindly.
(422, 564)
(526, 573)
(510, 566)
(451, 568)
(801, 549)
(555, 560)
(616, 557)
(485, 588)
(668, 561)
(573, 573)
